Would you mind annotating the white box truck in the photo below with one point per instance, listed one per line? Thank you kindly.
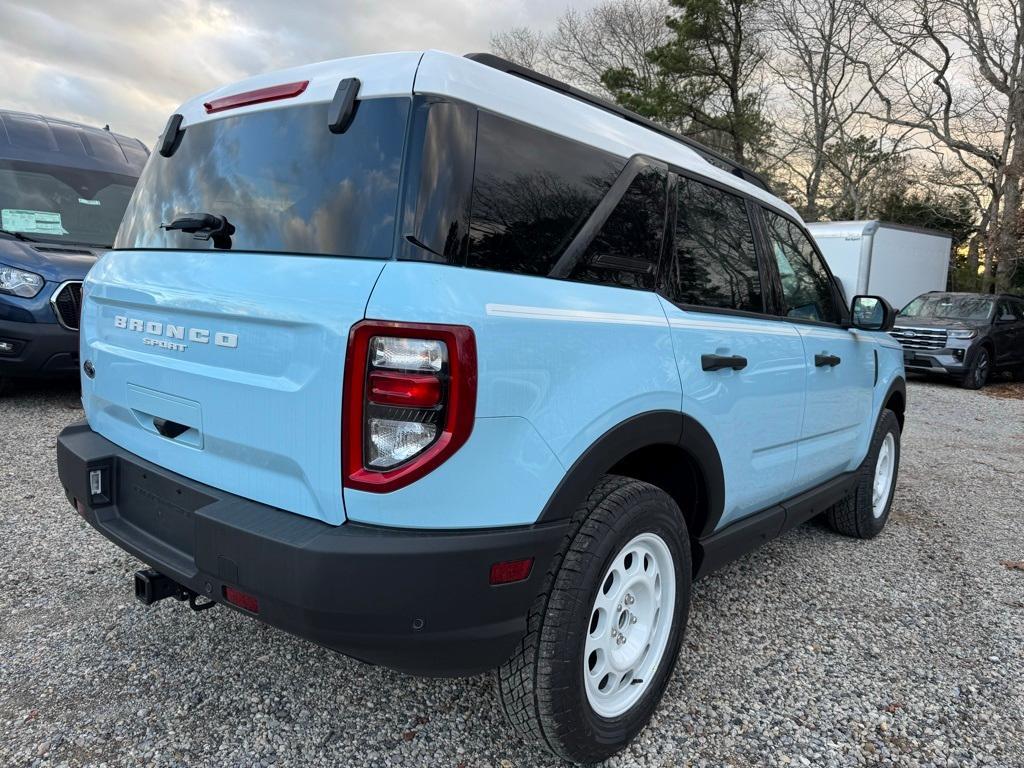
(894, 261)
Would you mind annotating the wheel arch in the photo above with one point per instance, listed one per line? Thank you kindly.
(895, 399)
(668, 449)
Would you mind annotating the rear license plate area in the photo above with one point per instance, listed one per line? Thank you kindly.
(160, 507)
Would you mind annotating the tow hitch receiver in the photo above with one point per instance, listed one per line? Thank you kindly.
(151, 586)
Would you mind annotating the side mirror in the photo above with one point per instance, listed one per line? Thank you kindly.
(872, 313)
(1007, 317)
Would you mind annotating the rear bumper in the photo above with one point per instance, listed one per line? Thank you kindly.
(41, 350)
(416, 601)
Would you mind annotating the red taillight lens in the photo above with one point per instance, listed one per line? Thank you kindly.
(409, 401)
(241, 599)
(409, 389)
(511, 571)
(259, 96)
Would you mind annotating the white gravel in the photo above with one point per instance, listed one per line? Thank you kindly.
(815, 650)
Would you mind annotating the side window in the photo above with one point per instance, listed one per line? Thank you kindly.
(626, 250)
(715, 261)
(1017, 307)
(532, 191)
(440, 168)
(806, 287)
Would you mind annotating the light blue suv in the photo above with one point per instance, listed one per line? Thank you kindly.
(449, 367)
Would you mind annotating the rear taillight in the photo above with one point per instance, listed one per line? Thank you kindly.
(409, 401)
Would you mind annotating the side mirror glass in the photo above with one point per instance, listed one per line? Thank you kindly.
(872, 313)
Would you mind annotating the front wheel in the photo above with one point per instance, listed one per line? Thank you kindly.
(864, 513)
(978, 373)
(602, 639)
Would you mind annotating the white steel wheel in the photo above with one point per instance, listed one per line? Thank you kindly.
(885, 470)
(630, 624)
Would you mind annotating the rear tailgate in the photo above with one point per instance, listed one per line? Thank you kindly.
(227, 367)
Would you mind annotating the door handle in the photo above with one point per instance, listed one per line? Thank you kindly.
(830, 360)
(717, 362)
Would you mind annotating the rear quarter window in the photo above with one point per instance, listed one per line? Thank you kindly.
(532, 191)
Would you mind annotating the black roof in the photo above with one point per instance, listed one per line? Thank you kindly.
(51, 141)
(715, 158)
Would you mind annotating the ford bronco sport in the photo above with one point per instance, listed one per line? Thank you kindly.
(455, 368)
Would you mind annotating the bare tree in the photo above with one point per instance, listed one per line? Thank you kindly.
(953, 71)
(615, 35)
(521, 45)
(819, 100)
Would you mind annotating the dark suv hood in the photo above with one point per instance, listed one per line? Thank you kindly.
(55, 262)
(939, 323)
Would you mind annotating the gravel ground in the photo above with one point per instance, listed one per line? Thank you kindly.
(815, 650)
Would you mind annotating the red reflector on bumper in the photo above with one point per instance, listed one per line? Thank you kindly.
(241, 599)
(510, 571)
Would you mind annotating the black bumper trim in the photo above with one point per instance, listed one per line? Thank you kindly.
(44, 350)
(416, 601)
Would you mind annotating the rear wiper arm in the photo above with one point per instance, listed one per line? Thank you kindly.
(19, 236)
(204, 226)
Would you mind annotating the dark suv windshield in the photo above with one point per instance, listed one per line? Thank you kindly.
(62, 204)
(282, 179)
(946, 307)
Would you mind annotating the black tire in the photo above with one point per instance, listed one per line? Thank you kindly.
(855, 516)
(979, 371)
(5, 385)
(541, 687)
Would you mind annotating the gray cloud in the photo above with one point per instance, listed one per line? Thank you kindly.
(130, 63)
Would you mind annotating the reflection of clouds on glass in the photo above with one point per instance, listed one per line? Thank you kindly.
(284, 181)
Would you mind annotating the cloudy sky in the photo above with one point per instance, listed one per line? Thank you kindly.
(129, 63)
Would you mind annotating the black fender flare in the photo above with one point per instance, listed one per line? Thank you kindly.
(643, 430)
(899, 386)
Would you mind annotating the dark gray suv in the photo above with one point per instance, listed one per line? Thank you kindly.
(968, 336)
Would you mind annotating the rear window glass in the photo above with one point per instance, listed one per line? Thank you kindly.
(532, 191)
(282, 179)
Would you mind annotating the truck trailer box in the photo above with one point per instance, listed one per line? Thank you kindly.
(894, 261)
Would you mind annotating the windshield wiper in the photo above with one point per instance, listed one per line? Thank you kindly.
(204, 226)
(19, 236)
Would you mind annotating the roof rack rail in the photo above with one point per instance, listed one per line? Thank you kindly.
(715, 158)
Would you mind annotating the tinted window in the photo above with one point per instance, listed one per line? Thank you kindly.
(715, 262)
(532, 191)
(806, 285)
(626, 249)
(440, 168)
(284, 181)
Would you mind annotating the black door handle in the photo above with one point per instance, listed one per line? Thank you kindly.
(830, 360)
(717, 362)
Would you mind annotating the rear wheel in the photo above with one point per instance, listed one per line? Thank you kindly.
(602, 639)
(865, 512)
(981, 367)
(4, 385)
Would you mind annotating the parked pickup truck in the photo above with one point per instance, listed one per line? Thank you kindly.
(63, 191)
(450, 367)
